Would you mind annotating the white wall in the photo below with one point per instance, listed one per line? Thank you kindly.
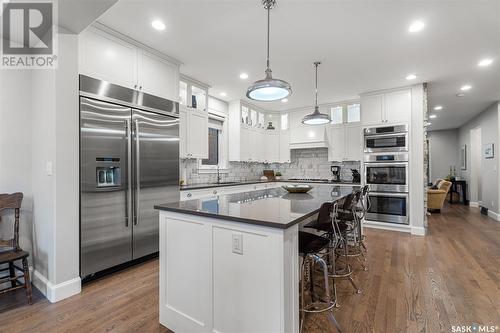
(444, 152)
(39, 123)
(15, 150)
(488, 121)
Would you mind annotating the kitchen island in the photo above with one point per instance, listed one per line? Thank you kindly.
(229, 263)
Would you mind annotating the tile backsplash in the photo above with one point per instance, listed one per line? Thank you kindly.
(305, 163)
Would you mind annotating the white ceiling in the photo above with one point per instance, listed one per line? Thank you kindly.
(364, 46)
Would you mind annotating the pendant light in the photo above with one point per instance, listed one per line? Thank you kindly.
(316, 118)
(268, 89)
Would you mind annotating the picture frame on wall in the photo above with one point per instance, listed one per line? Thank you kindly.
(463, 157)
(489, 150)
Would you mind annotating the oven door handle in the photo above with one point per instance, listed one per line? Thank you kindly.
(375, 136)
(387, 194)
(385, 164)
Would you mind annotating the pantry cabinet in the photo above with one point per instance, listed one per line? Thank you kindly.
(111, 58)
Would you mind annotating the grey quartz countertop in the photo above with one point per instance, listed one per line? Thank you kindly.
(250, 182)
(270, 207)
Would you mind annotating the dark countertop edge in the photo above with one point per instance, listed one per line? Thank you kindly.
(238, 219)
(204, 186)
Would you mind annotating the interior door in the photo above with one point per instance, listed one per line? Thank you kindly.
(106, 232)
(156, 175)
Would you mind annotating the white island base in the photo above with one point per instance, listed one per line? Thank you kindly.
(227, 276)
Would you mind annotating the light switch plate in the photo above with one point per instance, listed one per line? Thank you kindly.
(237, 242)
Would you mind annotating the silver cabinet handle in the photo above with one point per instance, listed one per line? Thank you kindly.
(140, 87)
(137, 172)
(189, 195)
(215, 192)
(128, 191)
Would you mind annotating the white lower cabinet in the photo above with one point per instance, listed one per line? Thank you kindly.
(193, 133)
(213, 191)
(345, 143)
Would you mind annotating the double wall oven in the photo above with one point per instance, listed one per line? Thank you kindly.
(386, 172)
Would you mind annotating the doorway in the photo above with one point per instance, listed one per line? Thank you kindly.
(475, 167)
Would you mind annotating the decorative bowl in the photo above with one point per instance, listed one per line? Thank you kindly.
(297, 188)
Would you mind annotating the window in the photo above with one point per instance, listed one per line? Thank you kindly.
(353, 113)
(336, 115)
(284, 121)
(213, 147)
(217, 145)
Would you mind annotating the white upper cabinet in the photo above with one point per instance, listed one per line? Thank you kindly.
(193, 133)
(387, 108)
(157, 76)
(398, 106)
(354, 143)
(272, 147)
(284, 146)
(345, 143)
(106, 57)
(372, 109)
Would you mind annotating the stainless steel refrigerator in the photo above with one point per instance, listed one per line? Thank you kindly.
(129, 161)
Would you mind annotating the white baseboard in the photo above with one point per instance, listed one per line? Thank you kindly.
(418, 231)
(493, 215)
(56, 292)
(473, 203)
(387, 226)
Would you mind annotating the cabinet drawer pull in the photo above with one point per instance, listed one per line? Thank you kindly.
(189, 195)
(215, 192)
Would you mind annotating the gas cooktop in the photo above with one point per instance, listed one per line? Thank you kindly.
(324, 180)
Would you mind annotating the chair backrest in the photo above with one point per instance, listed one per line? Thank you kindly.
(324, 214)
(445, 185)
(12, 201)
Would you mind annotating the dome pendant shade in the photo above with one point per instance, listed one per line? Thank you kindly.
(316, 118)
(268, 89)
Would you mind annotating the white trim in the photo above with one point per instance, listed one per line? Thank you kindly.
(418, 231)
(58, 292)
(387, 226)
(493, 215)
(473, 203)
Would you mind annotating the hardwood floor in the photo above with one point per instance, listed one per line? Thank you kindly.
(414, 284)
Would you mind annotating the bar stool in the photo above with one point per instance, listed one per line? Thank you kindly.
(351, 214)
(310, 247)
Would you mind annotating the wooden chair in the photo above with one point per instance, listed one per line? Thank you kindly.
(10, 251)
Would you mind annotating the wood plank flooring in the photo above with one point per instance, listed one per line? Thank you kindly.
(414, 284)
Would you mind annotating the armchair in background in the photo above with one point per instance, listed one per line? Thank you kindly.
(436, 195)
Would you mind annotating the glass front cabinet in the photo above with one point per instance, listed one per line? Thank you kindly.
(193, 93)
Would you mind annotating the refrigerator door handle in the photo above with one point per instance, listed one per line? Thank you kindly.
(137, 172)
(128, 191)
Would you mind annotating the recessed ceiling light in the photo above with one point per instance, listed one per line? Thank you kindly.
(223, 94)
(284, 100)
(432, 116)
(243, 76)
(438, 107)
(485, 62)
(158, 25)
(460, 95)
(416, 26)
(411, 76)
(465, 87)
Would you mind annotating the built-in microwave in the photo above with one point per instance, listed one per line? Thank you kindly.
(388, 207)
(386, 139)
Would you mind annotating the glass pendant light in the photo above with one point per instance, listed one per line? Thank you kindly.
(269, 89)
(316, 118)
